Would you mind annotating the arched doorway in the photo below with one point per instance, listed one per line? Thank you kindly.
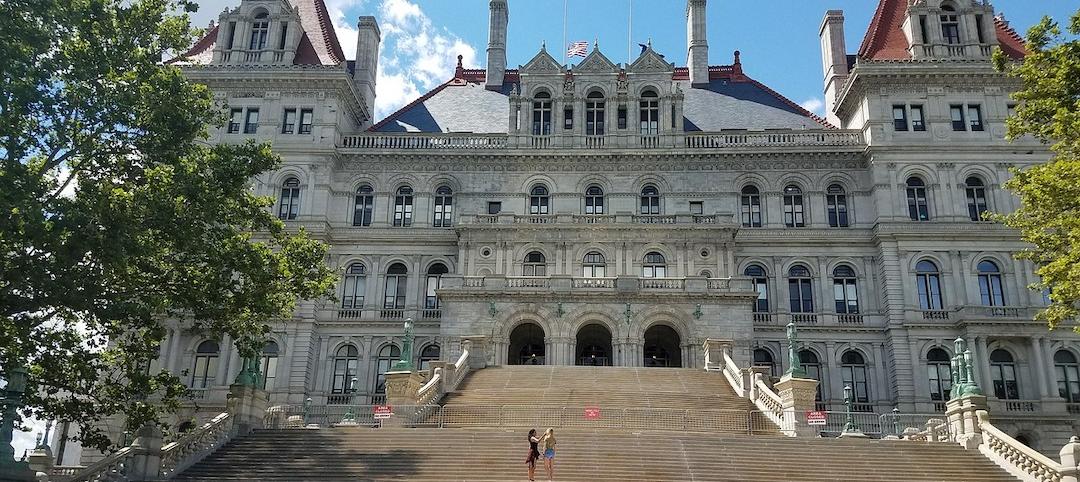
(662, 347)
(526, 345)
(593, 346)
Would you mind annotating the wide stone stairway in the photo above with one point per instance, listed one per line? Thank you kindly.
(491, 445)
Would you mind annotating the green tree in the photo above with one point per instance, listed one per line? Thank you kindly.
(1049, 110)
(115, 214)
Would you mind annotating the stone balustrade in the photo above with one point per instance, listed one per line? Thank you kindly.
(734, 140)
(621, 284)
(564, 220)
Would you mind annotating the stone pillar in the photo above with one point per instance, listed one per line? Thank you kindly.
(797, 396)
(247, 405)
(1038, 366)
(478, 350)
(41, 459)
(1070, 460)
(982, 362)
(147, 448)
(402, 387)
(714, 352)
(963, 416)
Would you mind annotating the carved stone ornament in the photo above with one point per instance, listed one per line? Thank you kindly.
(596, 63)
(542, 63)
(650, 62)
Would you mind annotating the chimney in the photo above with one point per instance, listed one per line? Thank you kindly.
(697, 43)
(833, 61)
(367, 64)
(496, 50)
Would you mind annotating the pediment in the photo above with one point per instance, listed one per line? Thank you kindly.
(596, 63)
(651, 62)
(542, 63)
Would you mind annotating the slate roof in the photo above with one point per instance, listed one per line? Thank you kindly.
(319, 44)
(885, 39)
(731, 100)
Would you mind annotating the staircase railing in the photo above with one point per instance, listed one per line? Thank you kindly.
(770, 404)
(115, 467)
(1018, 459)
(431, 392)
(193, 447)
(734, 377)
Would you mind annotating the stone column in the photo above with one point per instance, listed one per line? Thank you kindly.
(963, 416)
(1070, 460)
(1051, 375)
(175, 355)
(797, 396)
(982, 362)
(147, 449)
(222, 376)
(714, 352)
(1038, 366)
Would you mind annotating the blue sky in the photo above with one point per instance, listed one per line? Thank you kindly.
(778, 38)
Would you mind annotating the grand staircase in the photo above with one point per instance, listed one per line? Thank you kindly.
(491, 446)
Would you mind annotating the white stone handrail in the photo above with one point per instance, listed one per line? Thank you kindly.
(193, 447)
(769, 403)
(425, 141)
(461, 368)
(430, 393)
(1018, 459)
(731, 372)
(113, 467)
(728, 140)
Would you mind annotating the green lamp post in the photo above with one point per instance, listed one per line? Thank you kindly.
(795, 369)
(350, 414)
(405, 364)
(849, 399)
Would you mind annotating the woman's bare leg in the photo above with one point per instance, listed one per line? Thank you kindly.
(549, 466)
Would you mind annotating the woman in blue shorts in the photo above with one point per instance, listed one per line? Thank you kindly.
(548, 442)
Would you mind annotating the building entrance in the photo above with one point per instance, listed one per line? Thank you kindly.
(526, 345)
(593, 346)
(662, 347)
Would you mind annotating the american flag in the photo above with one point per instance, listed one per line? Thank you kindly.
(577, 49)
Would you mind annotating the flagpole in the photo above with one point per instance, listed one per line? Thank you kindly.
(564, 45)
(630, 34)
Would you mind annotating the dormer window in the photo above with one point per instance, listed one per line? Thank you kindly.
(650, 113)
(260, 30)
(541, 115)
(594, 114)
(950, 25)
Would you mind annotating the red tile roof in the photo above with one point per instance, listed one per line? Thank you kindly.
(318, 45)
(885, 39)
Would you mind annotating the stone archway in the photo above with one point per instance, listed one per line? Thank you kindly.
(593, 346)
(662, 347)
(526, 345)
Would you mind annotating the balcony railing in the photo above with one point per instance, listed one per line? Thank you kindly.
(594, 285)
(818, 319)
(662, 283)
(527, 282)
(687, 220)
(351, 314)
(692, 140)
(976, 312)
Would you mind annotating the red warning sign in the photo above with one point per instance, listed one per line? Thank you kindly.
(592, 413)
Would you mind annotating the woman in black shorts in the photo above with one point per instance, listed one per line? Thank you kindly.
(534, 453)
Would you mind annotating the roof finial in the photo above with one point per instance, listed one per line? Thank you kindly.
(596, 43)
(650, 42)
(543, 45)
(459, 72)
(738, 60)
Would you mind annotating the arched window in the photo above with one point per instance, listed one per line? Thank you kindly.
(836, 202)
(541, 114)
(397, 277)
(928, 279)
(428, 354)
(535, 264)
(355, 286)
(976, 198)
(654, 266)
(403, 206)
(387, 356)
(364, 206)
(1003, 373)
(649, 113)
(434, 282)
(539, 200)
(289, 205)
(594, 114)
(594, 200)
(812, 366)
(800, 289)
(854, 371)
(760, 280)
(794, 210)
(990, 284)
(918, 209)
(260, 30)
(1068, 376)
(594, 265)
(950, 25)
(939, 374)
(444, 207)
(206, 361)
(268, 365)
(762, 358)
(751, 207)
(650, 200)
(845, 292)
(346, 360)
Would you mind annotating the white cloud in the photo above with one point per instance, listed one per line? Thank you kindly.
(814, 105)
(24, 441)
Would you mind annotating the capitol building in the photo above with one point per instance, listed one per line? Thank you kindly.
(621, 214)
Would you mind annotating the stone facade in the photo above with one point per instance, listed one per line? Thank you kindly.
(632, 244)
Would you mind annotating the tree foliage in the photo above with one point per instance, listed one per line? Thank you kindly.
(1049, 110)
(116, 216)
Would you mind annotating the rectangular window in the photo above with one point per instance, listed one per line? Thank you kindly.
(622, 117)
(975, 117)
(922, 29)
(917, 123)
(956, 112)
(235, 116)
(899, 115)
(696, 207)
(306, 116)
(289, 121)
(494, 207)
(979, 28)
(229, 37)
(251, 123)
(284, 34)
(568, 118)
